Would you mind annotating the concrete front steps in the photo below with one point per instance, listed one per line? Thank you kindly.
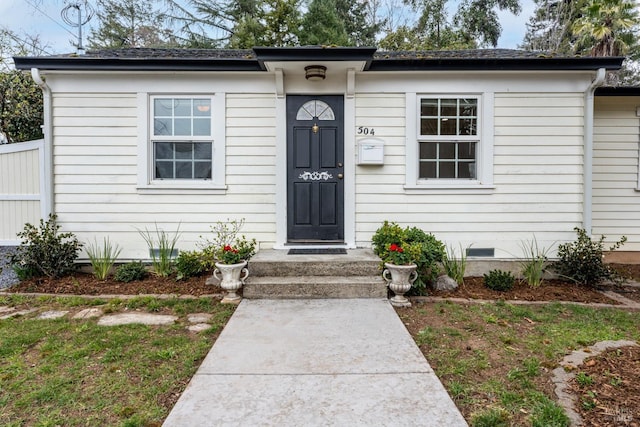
(276, 275)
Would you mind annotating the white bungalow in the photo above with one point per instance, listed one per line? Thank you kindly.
(318, 146)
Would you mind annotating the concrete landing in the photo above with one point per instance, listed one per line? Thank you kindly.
(315, 363)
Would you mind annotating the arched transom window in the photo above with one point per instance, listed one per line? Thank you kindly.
(315, 108)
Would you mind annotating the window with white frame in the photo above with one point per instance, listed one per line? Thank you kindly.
(181, 138)
(448, 137)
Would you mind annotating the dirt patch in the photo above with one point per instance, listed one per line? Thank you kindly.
(608, 389)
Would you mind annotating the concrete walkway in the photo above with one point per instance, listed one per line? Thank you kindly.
(315, 363)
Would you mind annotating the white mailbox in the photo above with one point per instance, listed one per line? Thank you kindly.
(371, 151)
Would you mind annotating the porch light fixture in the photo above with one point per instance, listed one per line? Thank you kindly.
(315, 73)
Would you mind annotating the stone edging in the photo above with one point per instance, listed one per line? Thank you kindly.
(561, 376)
(114, 296)
(625, 303)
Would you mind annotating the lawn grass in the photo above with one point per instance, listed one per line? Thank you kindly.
(76, 373)
(496, 359)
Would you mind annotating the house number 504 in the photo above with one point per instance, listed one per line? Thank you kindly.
(366, 131)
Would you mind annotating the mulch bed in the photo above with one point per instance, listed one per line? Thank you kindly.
(613, 396)
(473, 288)
(550, 290)
(87, 284)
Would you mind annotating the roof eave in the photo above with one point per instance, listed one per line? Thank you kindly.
(496, 64)
(618, 91)
(136, 64)
(314, 53)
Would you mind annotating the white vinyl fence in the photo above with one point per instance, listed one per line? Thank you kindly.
(22, 188)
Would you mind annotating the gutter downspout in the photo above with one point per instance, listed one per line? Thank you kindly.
(587, 215)
(47, 130)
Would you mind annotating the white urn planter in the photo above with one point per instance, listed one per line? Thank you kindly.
(399, 279)
(232, 278)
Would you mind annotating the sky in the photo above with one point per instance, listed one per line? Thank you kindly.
(21, 16)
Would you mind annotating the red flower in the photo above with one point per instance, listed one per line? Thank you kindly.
(395, 248)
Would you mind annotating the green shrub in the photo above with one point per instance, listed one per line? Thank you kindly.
(102, 257)
(189, 264)
(130, 272)
(499, 280)
(425, 251)
(583, 260)
(533, 264)
(226, 246)
(162, 248)
(45, 252)
(455, 267)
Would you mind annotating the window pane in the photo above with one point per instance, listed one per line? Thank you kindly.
(468, 107)
(202, 170)
(429, 127)
(184, 170)
(182, 127)
(303, 114)
(182, 107)
(327, 114)
(184, 150)
(429, 107)
(447, 170)
(447, 150)
(468, 127)
(427, 170)
(428, 150)
(162, 107)
(164, 170)
(466, 150)
(164, 150)
(202, 127)
(162, 127)
(449, 107)
(202, 107)
(448, 126)
(202, 151)
(467, 170)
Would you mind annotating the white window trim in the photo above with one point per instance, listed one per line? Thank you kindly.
(484, 161)
(146, 182)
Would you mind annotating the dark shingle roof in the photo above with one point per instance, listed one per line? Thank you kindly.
(460, 54)
(150, 59)
(172, 53)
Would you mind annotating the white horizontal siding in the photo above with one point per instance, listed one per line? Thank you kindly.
(616, 199)
(95, 173)
(538, 180)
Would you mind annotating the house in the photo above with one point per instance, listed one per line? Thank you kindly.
(318, 146)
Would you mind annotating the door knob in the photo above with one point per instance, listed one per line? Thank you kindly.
(339, 165)
(340, 176)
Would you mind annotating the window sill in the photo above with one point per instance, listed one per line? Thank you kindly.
(181, 189)
(458, 188)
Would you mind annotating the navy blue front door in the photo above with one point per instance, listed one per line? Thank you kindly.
(315, 169)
